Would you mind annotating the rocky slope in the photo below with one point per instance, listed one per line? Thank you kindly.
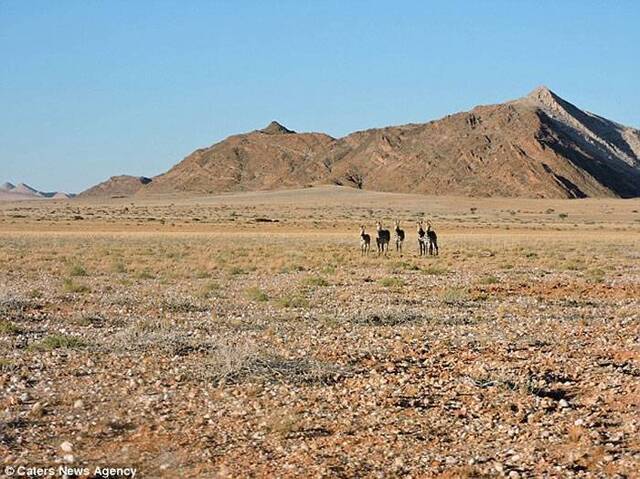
(537, 146)
(123, 185)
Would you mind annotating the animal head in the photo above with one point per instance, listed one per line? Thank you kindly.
(361, 228)
(378, 225)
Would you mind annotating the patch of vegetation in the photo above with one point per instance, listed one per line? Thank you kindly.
(293, 301)
(236, 270)
(595, 275)
(387, 318)
(391, 282)
(256, 294)
(77, 270)
(329, 269)
(70, 286)
(145, 274)
(6, 365)
(489, 280)
(118, 267)
(182, 306)
(7, 327)
(315, 281)
(35, 293)
(208, 289)
(58, 341)
(435, 270)
(455, 295)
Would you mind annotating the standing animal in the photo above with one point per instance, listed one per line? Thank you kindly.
(365, 241)
(433, 239)
(422, 239)
(382, 239)
(399, 237)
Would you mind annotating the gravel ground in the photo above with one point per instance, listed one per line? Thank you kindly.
(222, 355)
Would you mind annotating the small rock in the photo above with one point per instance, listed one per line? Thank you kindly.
(68, 458)
(514, 475)
(563, 403)
(66, 446)
(498, 466)
(79, 404)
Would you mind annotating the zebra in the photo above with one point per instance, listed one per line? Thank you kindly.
(382, 239)
(399, 237)
(422, 240)
(433, 239)
(365, 241)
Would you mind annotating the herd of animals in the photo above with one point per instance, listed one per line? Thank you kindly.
(427, 239)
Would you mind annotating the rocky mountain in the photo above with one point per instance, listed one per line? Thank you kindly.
(22, 191)
(536, 146)
(117, 186)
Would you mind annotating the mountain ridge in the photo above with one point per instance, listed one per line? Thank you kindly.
(22, 191)
(539, 145)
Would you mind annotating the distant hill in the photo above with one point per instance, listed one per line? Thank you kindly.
(22, 191)
(116, 186)
(536, 146)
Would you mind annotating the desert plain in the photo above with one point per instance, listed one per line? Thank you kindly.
(244, 335)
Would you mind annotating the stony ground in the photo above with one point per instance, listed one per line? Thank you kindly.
(278, 351)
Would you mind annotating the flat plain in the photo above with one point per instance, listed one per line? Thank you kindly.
(244, 335)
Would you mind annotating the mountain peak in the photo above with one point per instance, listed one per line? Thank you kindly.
(24, 188)
(275, 128)
(543, 96)
(6, 186)
(540, 90)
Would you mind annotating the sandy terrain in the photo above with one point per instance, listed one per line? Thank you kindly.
(244, 335)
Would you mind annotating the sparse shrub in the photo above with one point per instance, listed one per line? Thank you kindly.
(293, 301)
(182, 306)
(387, 318)
(489, 280)
(329, 269)
(574, 265)
(435, 270)
(35, 293)
(7, 327)
(58, 341)
(315, 281)
(454, 295)
(77, 270)
(118, 267)
(391, 282)
(595, 275)
(236, 270)
(145, 274)
(208, 289)
(70, 286)
(6, 365)
(256, 294)
(404, 266)
(563, 216)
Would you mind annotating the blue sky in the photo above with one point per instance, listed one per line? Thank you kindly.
(90, 89)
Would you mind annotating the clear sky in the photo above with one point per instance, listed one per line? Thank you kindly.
(91, 89)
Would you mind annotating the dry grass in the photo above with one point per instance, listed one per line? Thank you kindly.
(277, 349)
